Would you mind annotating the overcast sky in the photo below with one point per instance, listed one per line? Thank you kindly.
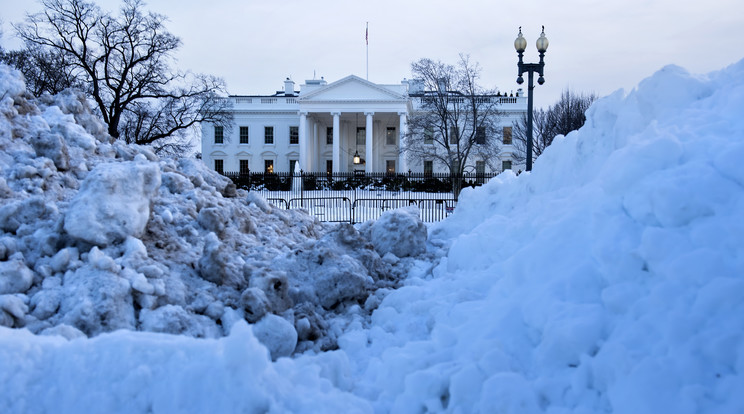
(595, 46)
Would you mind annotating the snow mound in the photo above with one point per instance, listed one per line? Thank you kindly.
(609, 279)
(97, 236)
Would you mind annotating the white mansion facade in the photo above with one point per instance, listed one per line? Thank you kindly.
(324, 125)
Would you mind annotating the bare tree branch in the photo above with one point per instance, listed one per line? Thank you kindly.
(455, 119)
(566, 115)
(124, 62)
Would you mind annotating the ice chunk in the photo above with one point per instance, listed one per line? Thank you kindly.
(278, 335)
(15, 276)
(400, 232)
(254, 303)
(113, 202)
(96, 301)
(62, 259)
(15, 308)
(29, 211)
(64, 330)
(176, 320)
(45, 302)
(52, 146)
(11, 83)
(218, 266)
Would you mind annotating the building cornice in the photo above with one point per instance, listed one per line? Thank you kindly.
(355, 101)
(265, 112)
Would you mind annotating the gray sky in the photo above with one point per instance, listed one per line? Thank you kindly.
(595, 46)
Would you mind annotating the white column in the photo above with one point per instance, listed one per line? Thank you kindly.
(402, 131)
(315, 148)
(304, 147)
(369, 167)
(336, 141)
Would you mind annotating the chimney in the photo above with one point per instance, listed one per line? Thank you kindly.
(289, 87)
(442, 84)
(415, 86)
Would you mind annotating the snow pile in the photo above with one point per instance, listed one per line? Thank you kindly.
(97, 236)
(607, 280)
(610, 279)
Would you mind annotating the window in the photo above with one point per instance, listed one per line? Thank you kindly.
(456, 167)
(480, 135)
(390, 166)
(506, 165)
(390, 136)
(244, 135)
(292, 164)
(361, 136)
(244, 167)
(269, 166)
(329, 166)
(480, 171)
(454, 135)
(428, 168)
(480, 167)
(329, 136)
(294, 135)
(219, 136)
(269, 135)
(428, 136)
(219, 166)
(508, 136)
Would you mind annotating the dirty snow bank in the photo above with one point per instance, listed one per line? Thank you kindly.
(97, 236)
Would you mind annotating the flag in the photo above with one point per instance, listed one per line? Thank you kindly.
(366, 35)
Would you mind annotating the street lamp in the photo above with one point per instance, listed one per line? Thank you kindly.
(520, 43)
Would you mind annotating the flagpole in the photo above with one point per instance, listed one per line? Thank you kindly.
(366, 40)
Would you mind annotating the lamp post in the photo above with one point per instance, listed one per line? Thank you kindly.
(520, 43)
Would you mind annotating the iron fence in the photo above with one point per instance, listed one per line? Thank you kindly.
(358, 196)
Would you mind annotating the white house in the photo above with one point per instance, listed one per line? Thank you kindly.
(324, 125)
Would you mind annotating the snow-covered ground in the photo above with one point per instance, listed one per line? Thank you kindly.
(609, 279)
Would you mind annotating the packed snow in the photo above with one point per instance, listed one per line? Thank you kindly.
(608, 279)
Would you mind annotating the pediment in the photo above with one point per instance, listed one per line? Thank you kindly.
(352, 88)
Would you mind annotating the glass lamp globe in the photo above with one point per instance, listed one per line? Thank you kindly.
(520, 43)
(542, 42)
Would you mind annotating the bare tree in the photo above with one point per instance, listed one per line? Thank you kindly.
(542, 135)
(566, 115)
(569, 113)
(124, 62)
(454, 119)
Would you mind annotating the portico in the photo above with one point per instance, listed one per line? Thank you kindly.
(352, 116)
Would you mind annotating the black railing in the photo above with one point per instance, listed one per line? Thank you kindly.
(358, 196)
(356, 180)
